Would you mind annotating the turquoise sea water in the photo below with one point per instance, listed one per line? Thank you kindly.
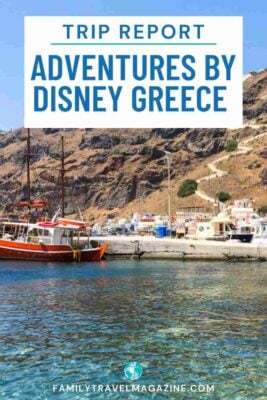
(185, 323)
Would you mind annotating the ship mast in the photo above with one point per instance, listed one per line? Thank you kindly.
(62, 175)
(28, 159)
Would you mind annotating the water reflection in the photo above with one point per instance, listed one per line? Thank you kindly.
(184, 322)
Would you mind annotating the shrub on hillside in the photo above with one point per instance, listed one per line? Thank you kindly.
(188, 187)
(231, 145)
(223, 196)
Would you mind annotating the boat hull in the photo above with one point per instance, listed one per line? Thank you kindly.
(42, 252)
(243, 237)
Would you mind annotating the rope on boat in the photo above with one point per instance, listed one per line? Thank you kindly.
(76, 254)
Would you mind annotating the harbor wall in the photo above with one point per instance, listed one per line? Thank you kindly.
(149, 247)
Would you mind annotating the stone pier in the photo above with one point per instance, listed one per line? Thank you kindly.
(150, 247)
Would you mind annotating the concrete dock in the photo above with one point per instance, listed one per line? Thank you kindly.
(149, 247)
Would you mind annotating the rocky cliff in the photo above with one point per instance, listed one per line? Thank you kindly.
(119, 169)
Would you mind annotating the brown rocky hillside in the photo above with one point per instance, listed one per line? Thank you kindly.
(118, 171)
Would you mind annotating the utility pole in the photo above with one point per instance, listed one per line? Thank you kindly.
(62, 174)
(139, 205)
(209, 185)
(169, 187)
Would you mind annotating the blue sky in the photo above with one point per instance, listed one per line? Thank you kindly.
(11, 34)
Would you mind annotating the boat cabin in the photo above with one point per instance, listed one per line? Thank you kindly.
(43, 233)
(218, 227)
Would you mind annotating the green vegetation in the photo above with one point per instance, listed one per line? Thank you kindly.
(223, 196)
(188, 187)
(263, 210)
(231, 145)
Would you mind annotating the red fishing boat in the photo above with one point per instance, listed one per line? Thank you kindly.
(64, 240)
(61, 239)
